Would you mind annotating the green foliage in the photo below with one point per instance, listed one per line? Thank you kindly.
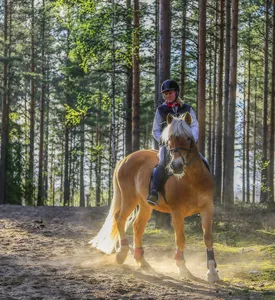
(88, 47)
(264, 164)
(74, 116)
(92, 36)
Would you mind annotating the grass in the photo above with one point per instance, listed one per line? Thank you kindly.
(244, 248)
(247, 254)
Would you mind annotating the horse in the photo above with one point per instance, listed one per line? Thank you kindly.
(189, 191)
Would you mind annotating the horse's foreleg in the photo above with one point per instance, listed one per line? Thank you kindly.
(206, 217)
(143, 217)
(178, 222)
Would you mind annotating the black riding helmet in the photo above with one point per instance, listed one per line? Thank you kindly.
(170, 85)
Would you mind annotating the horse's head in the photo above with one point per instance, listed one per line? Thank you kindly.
(180, 141)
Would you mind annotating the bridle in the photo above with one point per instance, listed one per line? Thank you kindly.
(180, 149)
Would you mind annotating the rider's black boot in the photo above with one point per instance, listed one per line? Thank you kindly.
(157, 184)
(153, 198)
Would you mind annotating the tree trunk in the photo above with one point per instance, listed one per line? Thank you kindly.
(248, 122)
(211, 119)
(164, 51)
(136, 88)
(214, 106)
(226, 84)
(129, 91)
(183, 49)
(230, 151)
(46, 156)
(202, 72)
(110, 176)
(98, 156)
(128, 114)
(67, 183)
(4, 133)
(272, 120)
(82, 150)
(30, 184)
(62, 171)
(52, 175)
(164, 40)
(91, 173)
(66, 169)
(40, 198)
(9, 93)
(243, 145)
(98, 182)
(218, 152)
(113, 102)
(158, 98)
(73, 172)
(254, 145)
(264, 192)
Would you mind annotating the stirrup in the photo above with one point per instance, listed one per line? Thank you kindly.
(153, 198)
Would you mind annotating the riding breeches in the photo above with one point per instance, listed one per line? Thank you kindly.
(159, 173)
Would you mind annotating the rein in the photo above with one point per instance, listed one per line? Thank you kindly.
(172, 150)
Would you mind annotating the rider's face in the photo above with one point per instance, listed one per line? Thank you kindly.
(170, 96)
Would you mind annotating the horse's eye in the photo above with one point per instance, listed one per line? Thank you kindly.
(188, 139)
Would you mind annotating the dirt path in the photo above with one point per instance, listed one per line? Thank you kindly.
(44, 255)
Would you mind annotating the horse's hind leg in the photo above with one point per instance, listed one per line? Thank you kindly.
(127, 208)
(143, 217)
(206, 218)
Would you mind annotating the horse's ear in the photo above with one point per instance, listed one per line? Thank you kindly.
(188, 118)
(169, 119)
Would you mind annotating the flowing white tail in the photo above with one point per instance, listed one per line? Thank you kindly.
(107, 238)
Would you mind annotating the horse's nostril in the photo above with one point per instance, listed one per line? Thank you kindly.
(177, 167)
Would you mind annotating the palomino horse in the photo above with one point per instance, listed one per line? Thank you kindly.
(189, 192)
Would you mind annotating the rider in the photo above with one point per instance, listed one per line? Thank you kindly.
(173, 105)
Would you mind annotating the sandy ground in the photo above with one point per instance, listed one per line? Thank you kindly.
(44, 255)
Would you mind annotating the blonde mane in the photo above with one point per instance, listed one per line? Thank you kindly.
(177, 128)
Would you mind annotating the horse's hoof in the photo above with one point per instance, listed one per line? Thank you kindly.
(185, 274)
(183, 271)
(213, 276)
(144, 266)
(122, 254)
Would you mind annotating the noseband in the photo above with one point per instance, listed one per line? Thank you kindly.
(179, 150)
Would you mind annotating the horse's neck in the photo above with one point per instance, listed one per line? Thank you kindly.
(196, 165)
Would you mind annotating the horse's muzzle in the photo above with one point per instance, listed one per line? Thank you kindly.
(177, 166)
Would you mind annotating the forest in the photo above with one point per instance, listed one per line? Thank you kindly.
(80, 83)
